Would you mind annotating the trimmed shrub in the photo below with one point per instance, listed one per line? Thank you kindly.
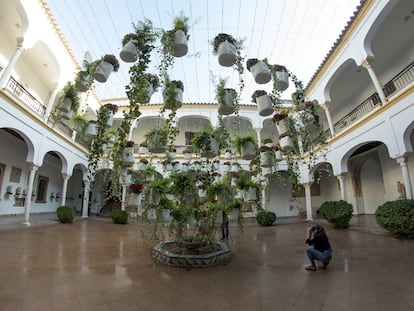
(265, 218)
(65, 214)
(338, 213)
(397, 217)
(119, 217)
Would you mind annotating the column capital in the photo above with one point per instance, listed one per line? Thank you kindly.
(326, 105)
(402, 160)
(367, 63)
(66, 175)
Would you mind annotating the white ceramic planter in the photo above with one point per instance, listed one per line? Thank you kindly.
(226, 106)
(66, 104)
(187, 156)
(261, 72)
(165, 215)
(202, 193)
(264, 105)
(128, 155)
(129, 52)
(248, 151)
(141, 166)
(184, 167)
(143, 150)
(91, 129)
(286, 143)
(103, 71)
(251, 194)
(180, 44)
(178, 100)
(227, 54)
(282, 81)
(267, 171)
(279, 155)
(67, 115)
(110, 118)
(282, 127)
(264, 159)
(239, 194)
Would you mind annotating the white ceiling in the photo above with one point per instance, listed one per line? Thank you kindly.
(295, 33)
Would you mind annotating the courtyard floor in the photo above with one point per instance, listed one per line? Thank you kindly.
(94, 264)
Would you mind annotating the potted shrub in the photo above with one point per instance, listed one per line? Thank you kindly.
(264, 102)
(157, 139)
(108, 63)
(397, 217)
(119, 217)
(65, 214)
(260, 71)
(282, 122)
(111, 109)
(226, 98)
(265, 218)
(225, 47)
(91, 129)
(70, 100)
(338, 213)
(79, 124)
(129, 52)
(246, 146)
(173, 94)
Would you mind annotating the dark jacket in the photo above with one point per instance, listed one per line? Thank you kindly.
(320, 243)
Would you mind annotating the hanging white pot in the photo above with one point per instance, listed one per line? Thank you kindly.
(178, 100)
(213, 150)
(110, 118)
(154, 145)
(91, 129)
(239, 194)
(128, 155)
(226, 167)
(279, 155)
(267, 171)
(282, 81)
(66, 105)
(227, 54)
(261, 72)
(142, 166)
(146, 98)
(219, 217)
(180, 44)
(187, 156)
(264, 105)
(248, 150)
(264, 159)
(234, 168)
(67, 115)
(135, 198)
(251, 194)
(165, 214)
(202, 193)
(103, 71)
(184, 167)
(282, 127)
(286, 143)
(143, 150)
(151, 214)
(226, 105)
(82, 82)
(129, 52)
(177, 166)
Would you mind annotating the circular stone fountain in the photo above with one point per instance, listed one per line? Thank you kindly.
(163, 253)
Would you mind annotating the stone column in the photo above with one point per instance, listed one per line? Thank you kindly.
(33, 168)
(85, 203)
(341, 179)
(64, 188)
(325, 107)
(7, 71)
(367, 64)
(308, 197)
(406, 176)
(50, 103)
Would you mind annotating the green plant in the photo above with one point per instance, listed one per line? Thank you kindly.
(119, 217)
(70, 91)
(397, 217)
(65, 214)
(221, 37)
(339, 213)
(265, 218)
(85, 77)
(80, 123)
(251, 62)
(239, 141)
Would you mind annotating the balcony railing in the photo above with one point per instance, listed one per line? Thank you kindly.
(395, 84)
(20, 92)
